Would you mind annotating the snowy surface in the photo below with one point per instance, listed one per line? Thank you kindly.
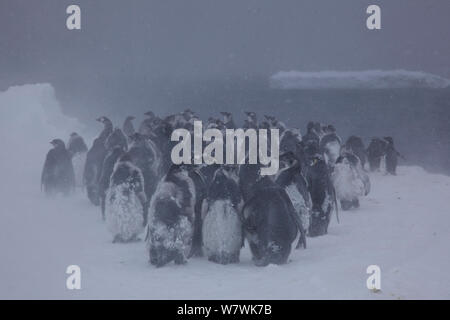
(369, 79)
(403, 226)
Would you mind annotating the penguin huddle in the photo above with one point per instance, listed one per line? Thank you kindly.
(194, 210)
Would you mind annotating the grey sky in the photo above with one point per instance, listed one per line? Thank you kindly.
(202, 38)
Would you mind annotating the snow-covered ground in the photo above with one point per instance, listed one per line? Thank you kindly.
(403, 226)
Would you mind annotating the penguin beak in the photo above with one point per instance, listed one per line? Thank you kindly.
(99, 119)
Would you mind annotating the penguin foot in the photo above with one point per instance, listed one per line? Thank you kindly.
(196, 251)
(117, 239)
(135, 239)
(180, 259)
(261, 262)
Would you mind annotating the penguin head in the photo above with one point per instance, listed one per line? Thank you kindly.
(270, 118)
(104, 120)
(178, 169)
(187, 114)
(150, 114)
(136, 137)
(57, 143)
(317, 127)
(116, 138)
(170, 120)
(156, 121)
(129, 118)
(212, 120)
(330, 128)
(73, 134)
(310, 126)
(288, 159)
(312, 152)
(265, 125)
(251, 115)
(314, 160)
(389, 140)
(226, 116)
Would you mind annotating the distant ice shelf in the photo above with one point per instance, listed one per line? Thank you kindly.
(368, 79)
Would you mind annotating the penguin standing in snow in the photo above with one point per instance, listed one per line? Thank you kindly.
(251, 121)
(201, 194)
(58, 174)
(356, 146)
(311, 136)
(116, 146)
(222, 224)
(171, 215)
(290, 178)
(228, 120)
(375, 153)
(275, 123)
(76, 144)
(161, 145)
(291, 141)
(320, 129)
(94, 161)
(349, 180)
(124, 203)
(78, 150)
(321, 190)
(391, 156)
(269, 218)
(143, 154)
(330, 146)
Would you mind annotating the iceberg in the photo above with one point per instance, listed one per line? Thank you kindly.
(368, 79)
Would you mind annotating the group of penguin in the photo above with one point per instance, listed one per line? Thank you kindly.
(194, 210)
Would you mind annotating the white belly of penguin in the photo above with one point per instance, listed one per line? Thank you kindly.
(78, 162)
(347, 183)
(299, 204)
(174, 238)
(123, 212)
(222, 229)
(332, 152)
